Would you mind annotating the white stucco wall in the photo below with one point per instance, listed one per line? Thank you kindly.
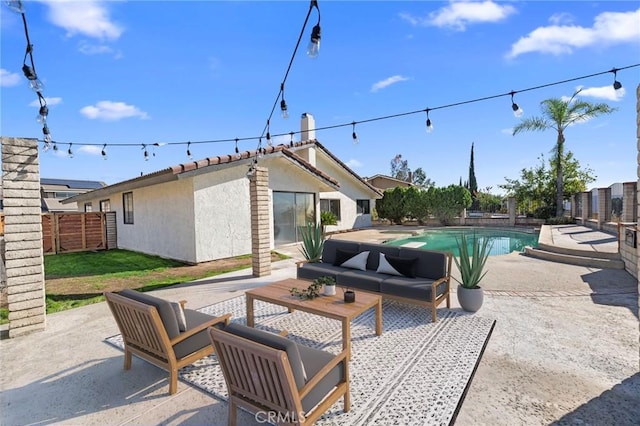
(222, 214)
(163, 220)
(350, 191)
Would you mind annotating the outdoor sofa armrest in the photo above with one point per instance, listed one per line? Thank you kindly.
(195, 330)
(299, 263)
(341, 357)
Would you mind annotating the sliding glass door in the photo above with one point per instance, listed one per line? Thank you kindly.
(290, 210)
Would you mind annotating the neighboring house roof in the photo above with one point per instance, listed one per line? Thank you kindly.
(55, 205)
(390, 182)
(75, 184)
(172, 173)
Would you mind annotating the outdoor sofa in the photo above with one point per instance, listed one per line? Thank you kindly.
(406, 274)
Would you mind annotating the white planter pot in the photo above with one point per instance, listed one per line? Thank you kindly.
(470, 298)
(329, 290)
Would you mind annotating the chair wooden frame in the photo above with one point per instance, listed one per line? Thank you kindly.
(260, 379)
(145, 336)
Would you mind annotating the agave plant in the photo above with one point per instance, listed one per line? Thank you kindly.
(312, 241)
(471, 266)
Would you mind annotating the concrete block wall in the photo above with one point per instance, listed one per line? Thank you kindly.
(604, 206)
(260, 232)
(630, 202)
(23, 236)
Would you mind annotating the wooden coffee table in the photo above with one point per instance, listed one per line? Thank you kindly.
(327, 306)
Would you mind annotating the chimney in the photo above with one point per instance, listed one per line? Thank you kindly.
(307, 127)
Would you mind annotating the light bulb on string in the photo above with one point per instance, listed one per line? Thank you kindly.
(259, 153)
(283, 103)
(104, 152)
(291, 141)
(616, 84)
(15, 5)
(145, 153)
(69, 152)
(517, 111)
(354, 135)
(34, 82)
(238, 156)
(313, 48)
(429, 124)
(269, 143)
(189, 156)
(42, 114)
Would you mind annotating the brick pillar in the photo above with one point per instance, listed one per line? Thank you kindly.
(574, 205)
(586, 206)
(512, 211)
(604, 206)
(629, 202)
(260, 235)
(23, 235)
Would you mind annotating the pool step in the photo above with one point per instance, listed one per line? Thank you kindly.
(577, 257)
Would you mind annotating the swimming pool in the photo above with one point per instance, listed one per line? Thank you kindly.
(504, 240)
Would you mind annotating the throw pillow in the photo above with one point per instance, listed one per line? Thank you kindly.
(359, 261)
(342, 256)
(393, 265)
(182, 320)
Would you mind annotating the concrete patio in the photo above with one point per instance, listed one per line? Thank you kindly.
(564, 351)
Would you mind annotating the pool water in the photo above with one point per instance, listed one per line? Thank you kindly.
(504, 241)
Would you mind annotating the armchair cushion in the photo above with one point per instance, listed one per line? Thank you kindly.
(314, 360)
(277, 342)
(180, 318)
(167, 315)
(197, 341)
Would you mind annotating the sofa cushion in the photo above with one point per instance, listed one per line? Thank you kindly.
(197, 341)
(364, 280)
(430, 264)
(330, 246)
(393, 265)
(274, 341)
(359, 261)
(412, 288)
(311, 271)
(163, 307)
(375, 250)
(343, 255)
(314, 360)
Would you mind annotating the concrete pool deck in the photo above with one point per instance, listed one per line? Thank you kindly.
(553, 358)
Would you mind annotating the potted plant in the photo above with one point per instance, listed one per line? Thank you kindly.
(329, 284)
(471, 267)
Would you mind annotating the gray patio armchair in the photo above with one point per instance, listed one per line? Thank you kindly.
(162, 332)
(277, 379)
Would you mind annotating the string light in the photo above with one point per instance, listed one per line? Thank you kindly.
(104, 152)
(291, 141)
(29, 71)
(69, 152)
(368, 120)
(283, 104)
(268, 135)
(517, 111)
(189, 156)
(313, 48)
(146, 153)
(238, 156)
(354, 135)
(616, 84)
(55, 147)
(429, 125)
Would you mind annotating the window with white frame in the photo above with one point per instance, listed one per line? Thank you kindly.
(331, 205)
(363, 206)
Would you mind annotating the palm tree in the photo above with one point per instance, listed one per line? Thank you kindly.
(558, 114)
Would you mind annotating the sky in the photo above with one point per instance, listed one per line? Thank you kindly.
(170, 72)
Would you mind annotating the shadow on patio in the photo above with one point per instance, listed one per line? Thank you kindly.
(613, 287)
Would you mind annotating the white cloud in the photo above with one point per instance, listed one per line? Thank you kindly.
(561, 18)
(508, 131)
(387, 82)
(87, 48)
(8, 79)
(50, 102)
(353, 164)
(458, 14)
(112, 111)
(88, 17)
(608, 28)
(605, 92)
(90, 149)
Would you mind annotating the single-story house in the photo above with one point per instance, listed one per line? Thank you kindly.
(200, 211)
(53, 191)
(383, 182)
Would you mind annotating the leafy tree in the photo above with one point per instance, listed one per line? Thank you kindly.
(536, 187)
(400, 170)
(488, 202)
(472, 184)
(392, 205)
(448, 202)
(420, 179)
(418, 203)
(558, 114)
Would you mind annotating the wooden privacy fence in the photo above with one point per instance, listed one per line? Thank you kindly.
(69, 232)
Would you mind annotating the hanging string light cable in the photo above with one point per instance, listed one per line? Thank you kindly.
(29, 71)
